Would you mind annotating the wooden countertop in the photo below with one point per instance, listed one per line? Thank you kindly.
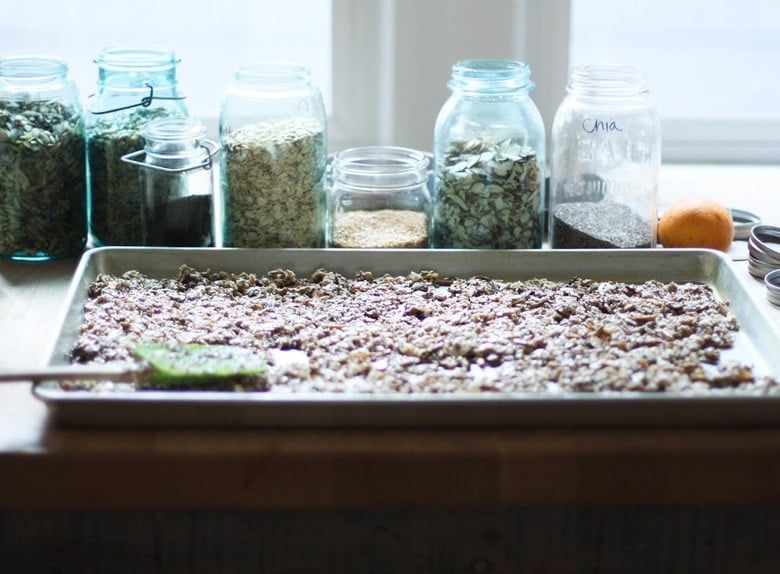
(43, 467)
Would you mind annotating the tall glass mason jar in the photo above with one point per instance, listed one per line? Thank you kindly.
(378, 198)
(136, 84)
(42, 160)
(489, 149)
(606, 161)
(274, 156)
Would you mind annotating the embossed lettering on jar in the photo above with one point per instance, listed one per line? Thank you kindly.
(606, 158)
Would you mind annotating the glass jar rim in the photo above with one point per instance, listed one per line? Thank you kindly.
(491, 75)
(379, 161)
(174, 129)
(33, 67)
(150, 58)
(274, 75)
(607, 80)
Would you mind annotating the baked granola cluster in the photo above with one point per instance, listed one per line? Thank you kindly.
(427, 333)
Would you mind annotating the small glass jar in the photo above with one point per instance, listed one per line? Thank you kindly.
(606, 161)
(177, 188)
(136, 85)
(274, 155)
(379, 199)
(489, 149)
(42, 160)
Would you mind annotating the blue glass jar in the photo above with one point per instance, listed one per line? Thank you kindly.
(135, 86)
(42, 160)
(489, 156)
(606, 161)
(273, 138)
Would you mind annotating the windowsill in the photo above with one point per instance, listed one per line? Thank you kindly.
(754, 188)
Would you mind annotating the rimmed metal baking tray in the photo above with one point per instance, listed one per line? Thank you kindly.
(757, 344)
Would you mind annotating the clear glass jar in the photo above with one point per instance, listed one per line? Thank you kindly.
(489, 148)
(274, 155)
(42, 160)
(135, 86)
(177, 188)
(379, 199)
(606, 161)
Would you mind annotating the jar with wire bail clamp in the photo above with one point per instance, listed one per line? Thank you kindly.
(42, 160)
(176, 183)
(489, 159)
(136, 85)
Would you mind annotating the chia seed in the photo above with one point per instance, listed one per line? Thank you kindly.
(599, 225)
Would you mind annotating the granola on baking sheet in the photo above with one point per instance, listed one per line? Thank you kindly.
(429, 333)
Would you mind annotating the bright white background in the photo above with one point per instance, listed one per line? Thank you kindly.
(382, 65)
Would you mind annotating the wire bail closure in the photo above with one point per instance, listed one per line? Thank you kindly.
(145, 102)
(212, 149)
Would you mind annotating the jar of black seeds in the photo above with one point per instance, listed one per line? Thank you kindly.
(176, 183)
(136, 85)
(378, 198)
(42, 160)
(606, 161)
(489, 159)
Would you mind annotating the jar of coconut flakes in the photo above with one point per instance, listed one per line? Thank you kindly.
(274, 155)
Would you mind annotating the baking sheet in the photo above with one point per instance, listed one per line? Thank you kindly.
(757, 343)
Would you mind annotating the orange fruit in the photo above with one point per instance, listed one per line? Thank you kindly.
(696, 222)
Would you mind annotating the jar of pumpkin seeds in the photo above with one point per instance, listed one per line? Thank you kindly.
(274, 156)
(489, 161)
(42, 173)
(136, 85)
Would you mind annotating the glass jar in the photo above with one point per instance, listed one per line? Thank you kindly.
(606, 161)
(42, 160)
(177, 189)
(379, 198)
(489, 151)
(135, 86)
(274, 155)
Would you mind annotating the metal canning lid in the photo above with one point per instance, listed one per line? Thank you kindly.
(743, 222)
(758, 245)
(772, 281)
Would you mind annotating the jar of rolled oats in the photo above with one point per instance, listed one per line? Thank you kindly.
(42, 160)
(378, 198)
(606, 161)
(274, 156)
(489, 150)
(136, 85)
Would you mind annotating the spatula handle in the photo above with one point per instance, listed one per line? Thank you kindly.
(115, 372)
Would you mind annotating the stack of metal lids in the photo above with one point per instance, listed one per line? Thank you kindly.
(764, 260)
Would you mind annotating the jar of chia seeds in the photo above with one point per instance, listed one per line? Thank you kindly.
(489, 166)
(273, 160)
(606, 161)
(136, 85)
(42, 160)
(176, 183)
(378, 198)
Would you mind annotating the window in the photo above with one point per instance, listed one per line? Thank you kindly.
(710, 67)
(211, 39)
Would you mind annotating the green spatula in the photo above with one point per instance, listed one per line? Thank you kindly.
(163, 366)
